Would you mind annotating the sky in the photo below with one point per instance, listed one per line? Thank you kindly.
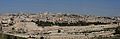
(90, 7)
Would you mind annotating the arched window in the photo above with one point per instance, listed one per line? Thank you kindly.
(59, 31)
(41, 37)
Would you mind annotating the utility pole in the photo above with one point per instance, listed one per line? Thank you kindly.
(1, 28)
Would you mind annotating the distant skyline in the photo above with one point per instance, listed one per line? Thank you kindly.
(92, 7)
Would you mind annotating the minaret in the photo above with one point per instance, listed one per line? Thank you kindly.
(118, 21)
(117, 30)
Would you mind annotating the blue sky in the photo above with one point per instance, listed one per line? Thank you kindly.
(94, 7)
